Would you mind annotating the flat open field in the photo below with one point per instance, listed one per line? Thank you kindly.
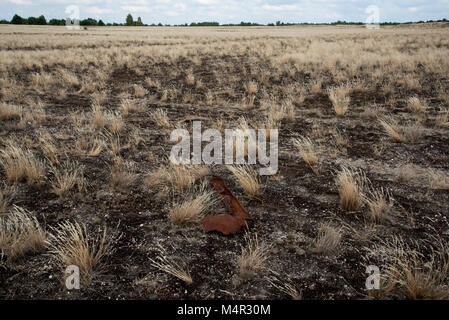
(363, 179)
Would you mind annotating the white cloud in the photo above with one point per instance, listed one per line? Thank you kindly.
(20, 2)
(413, 9)
(172, 13)
(207, 2)
(281, 7)
(135, 9)
(133, 2)
(180, 6)
(99, 11)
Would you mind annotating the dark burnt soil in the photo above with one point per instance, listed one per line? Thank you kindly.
(287, 215)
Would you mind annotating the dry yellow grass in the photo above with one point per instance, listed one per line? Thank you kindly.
(290, 110)
(115, 122)
(409, 273)
(199, 84)
(414, 104)
(98, 117)
(405, 173)
(50, 150)
(68, 78)
(6, 195)
(122, 175)
(379, 205)
(315, 86)
(372, 112)
(251, 87)
(209, 98)
(153, 83)
(307, 150)
(190, 79)
(253, 256)
(8, 111)
(156, 177)
(341, 140)
(66, 178)
(88, 145)
(350, 186)
(442, 119)
(71, 244)
(115, 145)
(139, 91)
(248, 179)
(160, 117)
(276, 114)
(21, 165)
(128, 106)
(193, 207)
(438, 180)
(411, 132)
(99, 98)
(178, 177)
(20, 234)
(170, 266)
(327, 240)
(287, 288)
(340, 99)
(392, 129)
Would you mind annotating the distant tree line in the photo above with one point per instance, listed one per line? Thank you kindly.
(54, 22)
(16, 19)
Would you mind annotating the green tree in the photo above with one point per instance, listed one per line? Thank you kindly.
(129, 20)
(30, 20)
(41, 20)
(56, 22)
(101, 23)
(139, 22)
(17, 20)
(88, 22)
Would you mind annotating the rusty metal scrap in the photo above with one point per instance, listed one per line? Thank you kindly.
(227, 223)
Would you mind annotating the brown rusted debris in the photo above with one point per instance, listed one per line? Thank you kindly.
(230, 201)
(226, 223)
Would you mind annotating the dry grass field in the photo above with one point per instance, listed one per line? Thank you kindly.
(85, 122)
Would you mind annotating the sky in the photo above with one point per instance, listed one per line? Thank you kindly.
(231, 11)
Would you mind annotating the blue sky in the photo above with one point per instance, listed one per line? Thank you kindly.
(230, 11)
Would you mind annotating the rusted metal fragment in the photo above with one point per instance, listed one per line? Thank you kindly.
(224, 223)
(230, 201)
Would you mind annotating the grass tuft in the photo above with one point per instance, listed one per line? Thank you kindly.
(248, 179)
(327, 240)
(20, 234)
(21, 165)
(170, 266)
(253, 256)
(350, 186)
(71, 244)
